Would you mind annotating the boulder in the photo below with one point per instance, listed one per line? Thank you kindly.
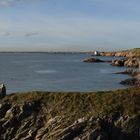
(4, 108)
(117, 62)
(130, 71)
(131, 82)
(132, 62)
(2, 91)
(27, 108)
(90, 60)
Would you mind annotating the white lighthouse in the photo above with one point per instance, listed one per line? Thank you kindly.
(96, 53)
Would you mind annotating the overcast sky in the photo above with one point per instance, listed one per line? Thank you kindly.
(69, 25)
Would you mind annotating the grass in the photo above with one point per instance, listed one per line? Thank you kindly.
(76, 105)
(72, 104)
(135, 53)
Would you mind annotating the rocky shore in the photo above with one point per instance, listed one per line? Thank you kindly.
(106, 115)
(131, 60)
(110, 115)
(116, 54)
(93, 59)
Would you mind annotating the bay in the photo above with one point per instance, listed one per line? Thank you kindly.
(23, 72)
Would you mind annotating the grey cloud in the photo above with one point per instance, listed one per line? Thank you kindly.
(5, 33)
(8, 2)
(31, 34)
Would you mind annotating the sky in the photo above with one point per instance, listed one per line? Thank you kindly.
(69, 25)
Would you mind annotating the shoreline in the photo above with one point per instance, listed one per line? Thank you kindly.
(131, 62)
(38, 115)
(130, 73)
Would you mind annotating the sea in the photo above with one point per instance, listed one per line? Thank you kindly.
(22, 72)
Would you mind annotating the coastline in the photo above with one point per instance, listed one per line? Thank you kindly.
(130, 60)
(107, 115)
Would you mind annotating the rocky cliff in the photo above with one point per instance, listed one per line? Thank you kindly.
(117, 53)
(111, 115)
(132, 59)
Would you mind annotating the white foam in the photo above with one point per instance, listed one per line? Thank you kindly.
(45, 71)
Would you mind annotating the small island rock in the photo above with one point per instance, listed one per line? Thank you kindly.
(89, 60)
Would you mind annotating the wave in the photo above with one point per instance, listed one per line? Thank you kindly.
(45, 71)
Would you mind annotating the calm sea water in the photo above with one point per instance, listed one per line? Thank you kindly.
(57, 72)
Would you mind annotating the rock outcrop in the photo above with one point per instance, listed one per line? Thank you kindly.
(128, 62)
(132, 62)
(2, 90)
(131, 82)
(118, 62)
(90, 60)
(133, 59)
(130, 71)
(71, 116)
(116, 54)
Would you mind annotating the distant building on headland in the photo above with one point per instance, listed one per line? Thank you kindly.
(96, 53)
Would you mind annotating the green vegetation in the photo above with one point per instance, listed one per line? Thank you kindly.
(69, 115)
(135, 53)
(75, 105)
(72, 115)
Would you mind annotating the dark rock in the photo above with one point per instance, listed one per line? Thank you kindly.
(27, 108)
(2, 91)
(117, 62)
(131, 72)
(3, 109)
(131, 82)
(102, 136)
(130, 128)
(98, 135)
(93, 135)
(93, 60)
